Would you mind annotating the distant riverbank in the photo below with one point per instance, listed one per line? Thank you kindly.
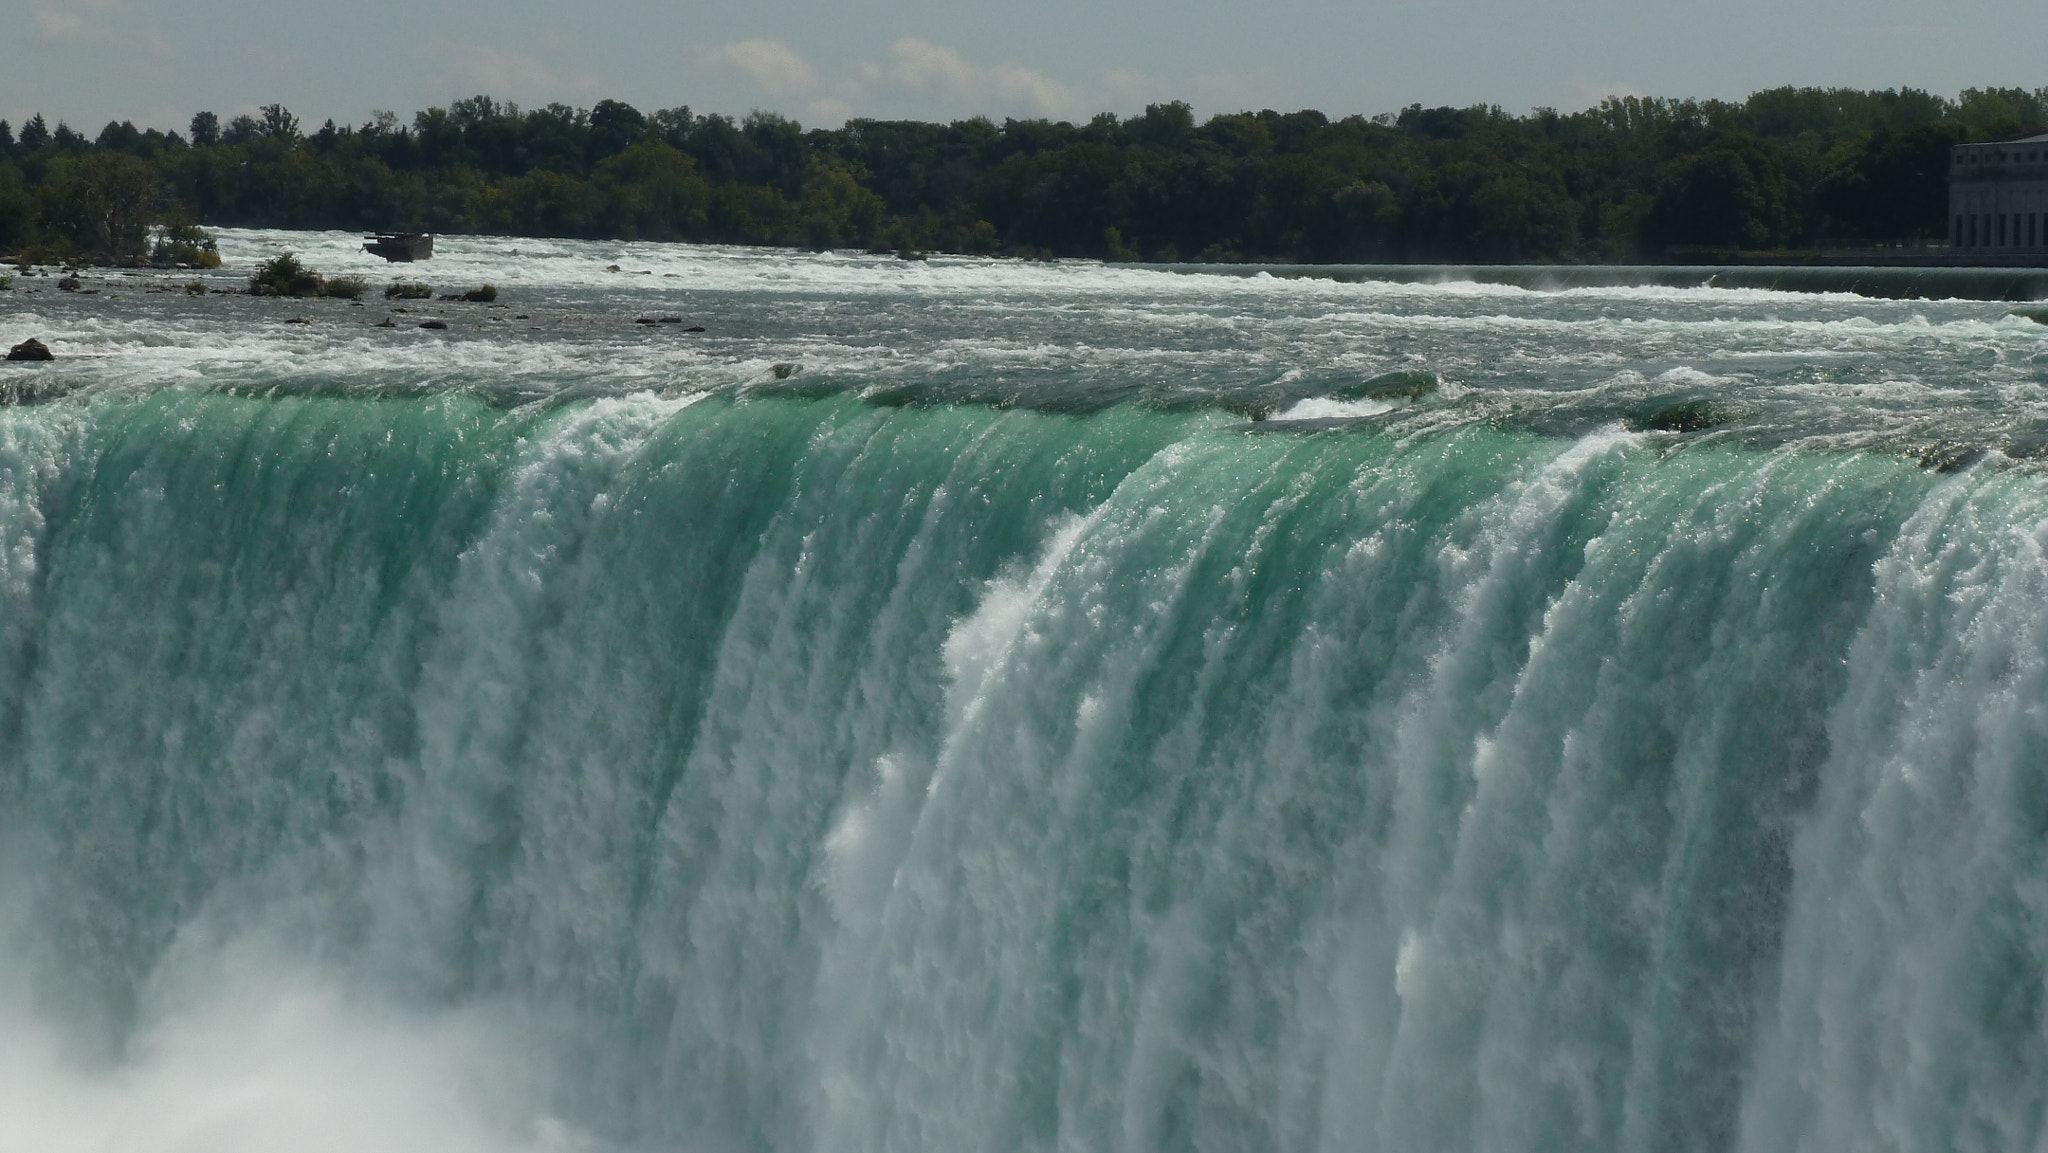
(1787, 174)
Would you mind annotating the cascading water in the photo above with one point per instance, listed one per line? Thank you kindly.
(666, 756)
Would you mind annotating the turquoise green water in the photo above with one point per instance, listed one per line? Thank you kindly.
(731, 769)
(818, 774)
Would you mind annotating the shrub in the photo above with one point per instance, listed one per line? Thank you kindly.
(186, 244)
(285, 276)
(6, 282)
(484, 295)
(402, 291)
(48, 252)
(195, 288)
(347, 287)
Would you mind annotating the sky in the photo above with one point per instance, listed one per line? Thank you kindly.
(156, 62)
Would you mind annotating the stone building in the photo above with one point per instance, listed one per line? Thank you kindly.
(1998, 195)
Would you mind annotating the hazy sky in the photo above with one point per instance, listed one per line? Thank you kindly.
(820, 61)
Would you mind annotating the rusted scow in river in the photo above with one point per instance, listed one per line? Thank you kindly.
(400, 247)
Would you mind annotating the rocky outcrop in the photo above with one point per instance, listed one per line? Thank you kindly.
(1696, 415)
(31, 349)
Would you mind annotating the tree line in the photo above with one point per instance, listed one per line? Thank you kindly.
(1631, 179)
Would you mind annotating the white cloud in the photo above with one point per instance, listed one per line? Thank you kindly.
(501, 71)
(59, 25)
(1591, 92)
(771, 64)
(829, 112)
(1128, 87)
(78, 20)
(930, 68)
(1228, 91)
(940, 74)
(920, 78)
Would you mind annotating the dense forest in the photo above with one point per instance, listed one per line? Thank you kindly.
(1632, 179)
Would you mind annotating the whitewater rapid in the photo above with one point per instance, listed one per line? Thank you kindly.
(558, 732)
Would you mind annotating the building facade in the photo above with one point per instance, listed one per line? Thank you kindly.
(1998, 195)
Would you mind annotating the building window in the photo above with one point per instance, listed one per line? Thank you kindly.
(2001, 230)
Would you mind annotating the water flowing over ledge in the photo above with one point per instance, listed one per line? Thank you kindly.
(713, 768)
(1887, 282)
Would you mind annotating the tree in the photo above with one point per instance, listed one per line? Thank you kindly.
(837, 210)
(205, 128)
(17, 211)
(1731, 193)
(653, 190)
(1169, 125)
(35, 134)
(1890, 185)
(614, 126)
(277, 124)
(546, 203)
(478, 110)
(1996, 113)
(103, 203)
(121, 136)
(777, 154)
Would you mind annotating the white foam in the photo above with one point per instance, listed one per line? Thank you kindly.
(1330, 408)
(251, 1052)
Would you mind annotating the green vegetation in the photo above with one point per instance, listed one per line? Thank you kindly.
(283, 275)
(184, 244)
(346, 287)
(1632, 179)
(402, 291)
